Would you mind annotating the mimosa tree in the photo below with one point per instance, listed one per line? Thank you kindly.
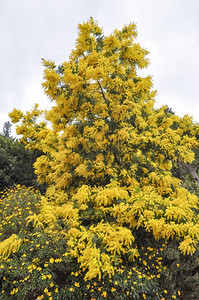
(108, 155)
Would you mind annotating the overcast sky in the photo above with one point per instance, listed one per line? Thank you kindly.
(35, 29)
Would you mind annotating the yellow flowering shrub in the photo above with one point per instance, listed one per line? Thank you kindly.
(108, 155)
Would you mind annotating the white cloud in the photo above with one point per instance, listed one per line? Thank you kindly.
(30, 30)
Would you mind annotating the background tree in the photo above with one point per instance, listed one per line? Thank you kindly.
(187, 172)
(16, 162)
(7, 129)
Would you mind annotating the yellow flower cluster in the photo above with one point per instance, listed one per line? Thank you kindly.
(107, 159)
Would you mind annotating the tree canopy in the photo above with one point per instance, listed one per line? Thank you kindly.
(16, 162)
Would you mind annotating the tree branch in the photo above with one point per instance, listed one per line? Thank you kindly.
(191, 170)
(103, 95)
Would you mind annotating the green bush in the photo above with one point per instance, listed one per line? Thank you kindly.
(41, 268)
(16, 164)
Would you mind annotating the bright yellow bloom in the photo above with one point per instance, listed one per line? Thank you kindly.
(77, 284)
(51, 260)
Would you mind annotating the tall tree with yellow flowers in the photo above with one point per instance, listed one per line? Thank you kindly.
(108, 154)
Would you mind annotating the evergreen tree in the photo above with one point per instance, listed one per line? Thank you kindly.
(16, 162)
(7, 129)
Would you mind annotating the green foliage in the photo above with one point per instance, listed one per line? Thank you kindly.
(42, 269)
(16, 164)
(182, 272)
(15, 206)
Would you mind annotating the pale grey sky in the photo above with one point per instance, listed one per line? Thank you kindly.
(35, 29)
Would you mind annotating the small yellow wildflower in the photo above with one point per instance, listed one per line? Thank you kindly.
(76, 284)
(104, 294)
(51, 260)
